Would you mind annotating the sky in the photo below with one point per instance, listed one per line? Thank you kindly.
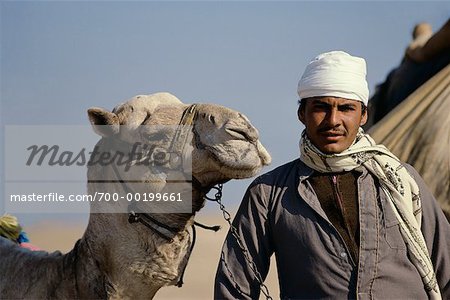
(59, 58)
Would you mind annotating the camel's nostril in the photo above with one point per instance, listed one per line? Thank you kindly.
(238, 133)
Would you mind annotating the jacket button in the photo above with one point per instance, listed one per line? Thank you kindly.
(343, 254)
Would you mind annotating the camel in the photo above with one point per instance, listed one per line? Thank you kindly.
(117, 259)
(411, 110)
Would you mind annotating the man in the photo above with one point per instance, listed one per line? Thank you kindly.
(346, 219)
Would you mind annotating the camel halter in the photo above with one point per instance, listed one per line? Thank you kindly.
(177, 147)
(167, 232)
(176, 151)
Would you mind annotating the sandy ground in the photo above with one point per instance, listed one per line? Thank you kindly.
(200, 273)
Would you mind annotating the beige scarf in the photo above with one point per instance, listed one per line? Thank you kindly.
(400, 187)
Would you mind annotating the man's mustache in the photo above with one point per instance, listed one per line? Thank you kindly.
(331, 130)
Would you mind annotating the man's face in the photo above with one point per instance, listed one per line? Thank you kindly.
(332, 123)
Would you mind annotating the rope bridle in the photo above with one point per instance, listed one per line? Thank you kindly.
(176, 150)
(167, 232)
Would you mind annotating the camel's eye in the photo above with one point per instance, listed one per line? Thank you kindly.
(212, 119)
(155, 136)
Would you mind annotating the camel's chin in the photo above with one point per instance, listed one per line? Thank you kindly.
(266, 159)
(225, 174)
(243, 174)
(244, 169)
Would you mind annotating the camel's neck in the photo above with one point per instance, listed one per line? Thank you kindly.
(81, 276)
(137, 261)
(42, 275)
(134, 260)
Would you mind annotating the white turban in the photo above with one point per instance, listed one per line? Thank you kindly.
(336, 74)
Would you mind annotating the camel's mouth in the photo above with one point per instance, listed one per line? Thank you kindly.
(245, 162)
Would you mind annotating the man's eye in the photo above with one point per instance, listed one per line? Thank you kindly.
(347, 108)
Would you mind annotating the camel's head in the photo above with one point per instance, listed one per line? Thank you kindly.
(222, 142)
(214, 145)
(228, 142)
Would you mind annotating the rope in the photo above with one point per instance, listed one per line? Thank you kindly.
(227, 216)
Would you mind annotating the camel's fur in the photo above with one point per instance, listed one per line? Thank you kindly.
(116, 259)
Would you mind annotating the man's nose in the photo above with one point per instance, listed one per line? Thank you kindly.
(333, 117)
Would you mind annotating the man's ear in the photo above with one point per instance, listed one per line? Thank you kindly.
(104, 122)
(301, 114)
(364, 116)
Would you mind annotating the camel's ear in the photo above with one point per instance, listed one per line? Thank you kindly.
(103, 122)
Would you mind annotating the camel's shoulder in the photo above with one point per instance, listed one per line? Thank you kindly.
(16, 254)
